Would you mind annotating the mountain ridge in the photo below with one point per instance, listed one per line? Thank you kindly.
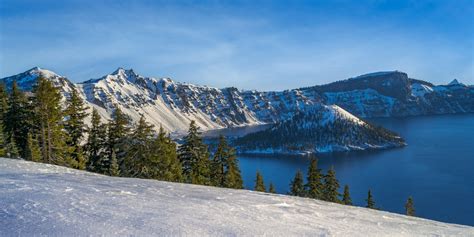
(172, 105)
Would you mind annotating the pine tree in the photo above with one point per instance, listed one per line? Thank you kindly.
(346, 198)
(96, 142)
(219, 163)
(137, 151)
(114, 167)
(11, 150)
(117, 130)
(410, 207)
(3, 111)
(17, 118)
(33, 151)
(165, 159)
(3, 102)
(75, 127)
(297, 186)
(259, 184)
(331, 185)
(51, 135)
(2, 141)
(271, 189)
(194, 157)
(232, 176)
(200, 169)
(225, 171)
(78, 157)
(370, 201)
(314, 187)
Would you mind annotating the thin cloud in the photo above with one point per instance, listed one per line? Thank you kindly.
(222, 45)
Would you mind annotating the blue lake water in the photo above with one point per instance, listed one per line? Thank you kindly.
(436, 168)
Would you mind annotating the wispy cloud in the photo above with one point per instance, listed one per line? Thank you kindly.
(261, 46)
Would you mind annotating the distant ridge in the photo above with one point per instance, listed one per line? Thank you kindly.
(172, 105)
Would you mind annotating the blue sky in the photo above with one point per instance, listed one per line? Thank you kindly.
(248, 44)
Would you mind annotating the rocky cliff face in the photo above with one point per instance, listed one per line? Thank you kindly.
(394, 94)
(173, 105)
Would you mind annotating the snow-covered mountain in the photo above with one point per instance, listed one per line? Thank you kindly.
(394, 94)
(27, 80)
(173, 105)
(46, 200)
(319, 129)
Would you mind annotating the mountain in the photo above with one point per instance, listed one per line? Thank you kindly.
(47, 200)
(319, 129)
(27, 80)
(394, 94)
(173, 105)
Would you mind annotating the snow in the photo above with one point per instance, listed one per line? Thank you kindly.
(454, 82)
(419, 90)
(341, 113)
(172, 105)
(365, 103)
(376, 74)
(40, 199)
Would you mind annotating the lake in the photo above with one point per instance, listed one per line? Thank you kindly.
(436, 168)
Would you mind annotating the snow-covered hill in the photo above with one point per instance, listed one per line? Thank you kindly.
(173, 105)
(46, 200)
(319, 129)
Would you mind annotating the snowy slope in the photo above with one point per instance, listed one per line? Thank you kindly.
(39, 199)
(164, 102)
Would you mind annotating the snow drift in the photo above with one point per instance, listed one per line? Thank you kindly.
(40, 199)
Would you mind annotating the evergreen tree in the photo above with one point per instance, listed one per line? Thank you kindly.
(259, 184)
(314, 187)
(117, 130)
(346, 198)
(165, 159)
(2, 141)
(271, 189)
(17, 118)
(78, 157)
(225, 171)
(75, 113)
(3, 102)
(194, 157)
(51, 135)
(33, 151)
(114, 167)
(137, 150)
(200, 170)
(297, 186)
(219, 163)
(232, 176)
(410, 207)
(370, 201)
(331, 185)
(3, 110)
(147, 156)
(11, 150)
(96, 142)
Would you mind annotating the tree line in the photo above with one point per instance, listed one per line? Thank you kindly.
(324, 187)
(35, 127)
